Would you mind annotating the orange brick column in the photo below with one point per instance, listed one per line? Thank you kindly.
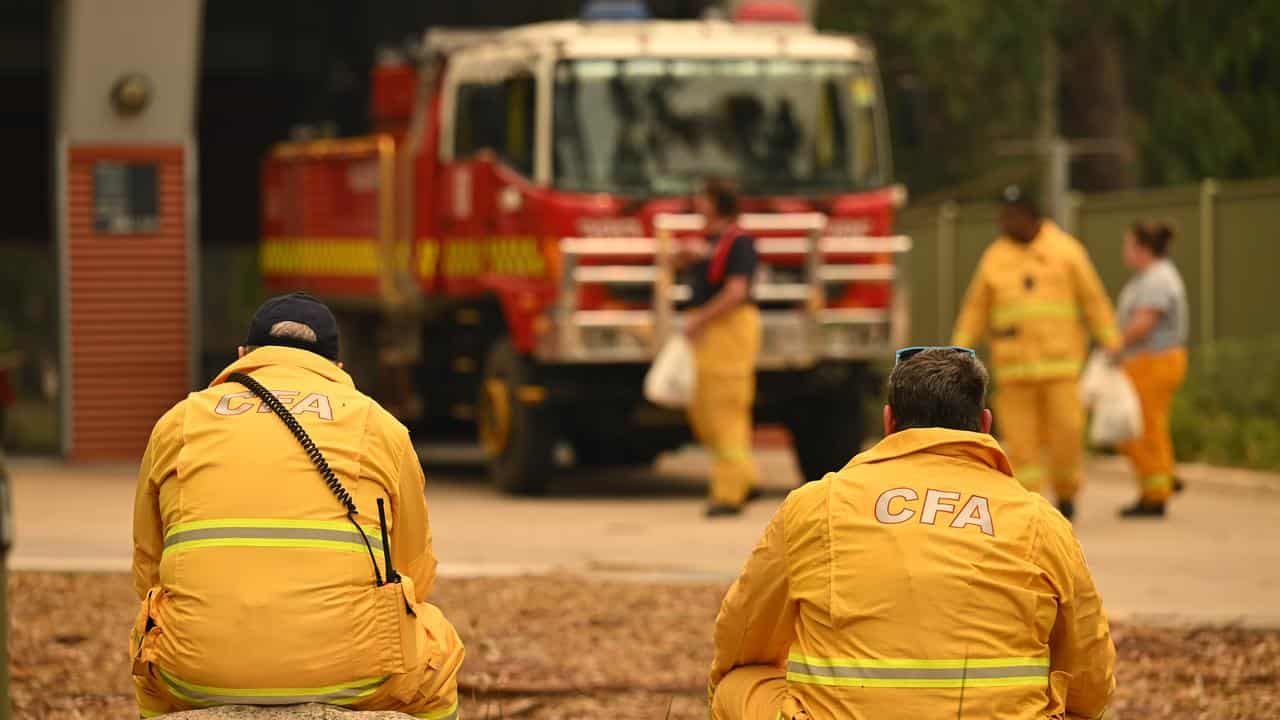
(127, 300)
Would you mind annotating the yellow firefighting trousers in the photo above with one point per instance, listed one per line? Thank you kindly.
(1040, 423)
(754, 692)
(720, 413)
(1156, 377)
(429, 690)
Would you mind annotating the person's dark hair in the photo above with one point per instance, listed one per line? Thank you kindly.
(724, 196)
(1153, 235)
(938, 388)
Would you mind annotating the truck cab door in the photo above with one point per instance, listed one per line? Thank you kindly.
(488, 221)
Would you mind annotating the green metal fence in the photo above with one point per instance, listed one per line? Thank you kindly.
(1226, 249)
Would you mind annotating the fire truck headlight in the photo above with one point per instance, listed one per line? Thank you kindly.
(541, 326)
(898, 194)
(528, 302)
(853, 340)
(836, 339)
(510, 200)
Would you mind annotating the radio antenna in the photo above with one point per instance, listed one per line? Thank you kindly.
(392, 575)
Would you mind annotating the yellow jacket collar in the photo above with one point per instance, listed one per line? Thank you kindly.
(1048, 230)
(289, 357)
(974, 447)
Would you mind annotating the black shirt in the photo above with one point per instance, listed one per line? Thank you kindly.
(741, 262)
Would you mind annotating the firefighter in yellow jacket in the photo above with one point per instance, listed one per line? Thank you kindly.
(723, 324)
(264, 582)
(1032, 296)
(921, 581)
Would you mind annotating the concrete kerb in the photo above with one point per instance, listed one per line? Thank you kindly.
(1201, 474)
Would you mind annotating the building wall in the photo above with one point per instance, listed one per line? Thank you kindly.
(130, 323)
(100, 41)
(126, 238)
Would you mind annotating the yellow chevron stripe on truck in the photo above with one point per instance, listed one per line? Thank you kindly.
(319, 256)
(456, 257)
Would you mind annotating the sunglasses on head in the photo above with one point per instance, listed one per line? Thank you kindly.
(907, 353)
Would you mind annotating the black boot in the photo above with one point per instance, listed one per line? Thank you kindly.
(1067, 508)
(721, 510)
(1143, 509)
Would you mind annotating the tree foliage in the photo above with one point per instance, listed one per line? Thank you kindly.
(1197, 93)
(1205, 79)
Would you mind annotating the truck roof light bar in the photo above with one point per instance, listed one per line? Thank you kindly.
(615, 11)
(769, 11)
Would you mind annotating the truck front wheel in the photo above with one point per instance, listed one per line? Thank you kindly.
(517, 430)
(827, 429)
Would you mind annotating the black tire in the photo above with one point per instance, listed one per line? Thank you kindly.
(517, 429)
(359, 332)
(827, 430)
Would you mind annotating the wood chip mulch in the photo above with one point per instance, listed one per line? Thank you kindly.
(568, 647)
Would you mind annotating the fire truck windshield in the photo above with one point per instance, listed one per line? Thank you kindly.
(645, 127)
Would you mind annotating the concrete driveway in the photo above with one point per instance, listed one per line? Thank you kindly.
(1215, 559)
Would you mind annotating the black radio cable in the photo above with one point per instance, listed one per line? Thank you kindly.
(317, 458)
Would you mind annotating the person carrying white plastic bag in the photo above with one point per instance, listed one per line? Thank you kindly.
(673, 376)
(721, 324)
(1109, 396)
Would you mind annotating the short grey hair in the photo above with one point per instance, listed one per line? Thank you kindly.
(293, 331)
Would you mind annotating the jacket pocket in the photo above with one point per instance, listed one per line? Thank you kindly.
(146, 629)
(1059, 683)
(407, 687)
(411, 640)
(792, 709)
(436, 676)
(397, 634)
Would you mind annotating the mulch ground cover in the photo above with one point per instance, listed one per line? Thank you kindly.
(569, 647)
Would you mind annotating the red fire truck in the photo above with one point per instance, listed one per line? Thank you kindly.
(498, 251)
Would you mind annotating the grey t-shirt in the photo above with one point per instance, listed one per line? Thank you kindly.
(1159, 287)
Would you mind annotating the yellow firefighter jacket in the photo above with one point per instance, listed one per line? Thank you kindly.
(255, 586)
(1029, 299)
(921, 581)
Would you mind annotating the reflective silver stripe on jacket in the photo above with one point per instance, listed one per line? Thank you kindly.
(915, 673)
(337, 695)
(273, 533)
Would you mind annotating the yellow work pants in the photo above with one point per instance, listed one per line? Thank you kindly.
(754, 692)
(1040, 423)
(720, 413)
(1156, 377)
(429, 690)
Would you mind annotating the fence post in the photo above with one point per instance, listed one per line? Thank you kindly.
(1071, 213)
(1208, 244)
(947, 215)
(6, 541)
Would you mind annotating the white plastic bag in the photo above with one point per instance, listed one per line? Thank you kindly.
(1116, 414)
(672, 376)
